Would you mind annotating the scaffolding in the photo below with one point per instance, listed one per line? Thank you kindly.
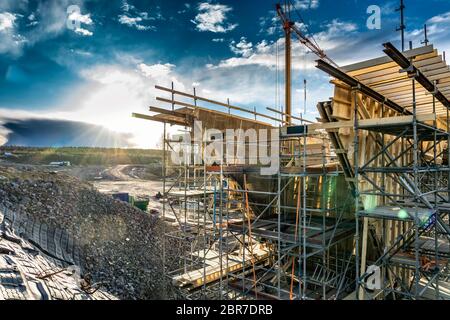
(401, 185)
(282, 236)
(364, 190)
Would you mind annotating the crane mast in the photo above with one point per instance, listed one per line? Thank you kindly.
(289, 27)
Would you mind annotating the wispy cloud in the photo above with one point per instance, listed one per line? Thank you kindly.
(242, 48)
(113, 90)
(438, 28)
(134, 22)
(445, 17)
(186, 8)
(264, 53)
(139, 20)
(81, 19)
(11, 42)
(306, 4)
(21, 27)
(7, 20)
(213, 18)
(269, 24)
(32, 20)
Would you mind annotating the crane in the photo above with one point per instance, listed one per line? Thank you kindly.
(289, 27)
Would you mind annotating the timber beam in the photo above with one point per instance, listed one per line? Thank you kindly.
(352, 82)
(168, 112)
(178, 121)
(390, 121)
(404, 63)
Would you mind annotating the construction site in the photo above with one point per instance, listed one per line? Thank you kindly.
(358, 206)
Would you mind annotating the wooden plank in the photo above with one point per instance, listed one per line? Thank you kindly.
(385, 60)
(423, 65)
(180, 122)
(184, 104)
(405, 82)
(214, 270)
(372, 122)
(215, 102)
(419, 100)
(169, 112)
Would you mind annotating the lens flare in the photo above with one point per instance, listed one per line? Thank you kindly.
(402, 214)
(370, 203)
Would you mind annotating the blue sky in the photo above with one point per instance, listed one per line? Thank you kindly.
(106, 67)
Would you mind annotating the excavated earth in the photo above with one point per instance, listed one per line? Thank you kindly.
(118, 248)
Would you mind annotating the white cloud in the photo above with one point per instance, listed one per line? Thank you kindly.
(218, 40)
(213, 18)
(262, 54)
(52, 20)
(134, 18)
(32, 19)
(11, 42)
(242, 48)
(161, 73)
(335, 34)
(83, 32)
(270, 23)
(134, 22)
(80, 19)
(438, 28)
(445, 17)
(7, 20)
(301, 26)
(156, 70)
(306, 4)
(115, 92)
(49, 20)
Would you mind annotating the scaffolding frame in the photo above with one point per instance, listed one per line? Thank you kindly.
(287, 247)
(416, 214)
(286, 237)
(421, 200)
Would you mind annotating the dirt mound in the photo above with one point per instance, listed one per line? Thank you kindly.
(120, 245)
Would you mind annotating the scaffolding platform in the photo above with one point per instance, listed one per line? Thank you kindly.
(328, 168)
(316, 235)
(190, 193)
(304, 224)
(427, 246)
(428, 291)
(398, 213)
(218, 266)
(405, 129)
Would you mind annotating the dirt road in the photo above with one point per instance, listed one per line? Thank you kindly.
(125, 178)
(118, 172)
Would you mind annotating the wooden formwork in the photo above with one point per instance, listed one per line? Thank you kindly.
(383, 123)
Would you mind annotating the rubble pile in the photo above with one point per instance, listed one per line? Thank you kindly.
(121, 246)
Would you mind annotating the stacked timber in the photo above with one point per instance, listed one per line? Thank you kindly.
(217, 265)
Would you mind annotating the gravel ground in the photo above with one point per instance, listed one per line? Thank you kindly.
(121, 245)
